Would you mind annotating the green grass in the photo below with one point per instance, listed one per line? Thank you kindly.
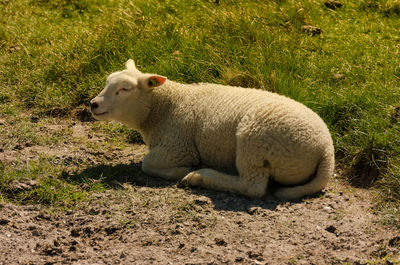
(47, 189)
(55, 55)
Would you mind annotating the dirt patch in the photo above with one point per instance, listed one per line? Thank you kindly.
(162, 224)
(144, 220)
(82, 114)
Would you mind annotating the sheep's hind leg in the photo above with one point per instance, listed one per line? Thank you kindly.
(212, 179)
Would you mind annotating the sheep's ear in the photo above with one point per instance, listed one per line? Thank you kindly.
(130, 65)
(155, 81)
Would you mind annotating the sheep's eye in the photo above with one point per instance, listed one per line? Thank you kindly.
(121, 89)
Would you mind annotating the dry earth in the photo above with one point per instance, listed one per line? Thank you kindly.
(144, 220)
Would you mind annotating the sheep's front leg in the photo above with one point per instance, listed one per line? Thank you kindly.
(160, 163)
(173, 173)
(212, 179)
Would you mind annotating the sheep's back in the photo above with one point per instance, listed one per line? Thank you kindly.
(223, 114)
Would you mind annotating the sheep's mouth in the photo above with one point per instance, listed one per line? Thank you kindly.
(100, 114)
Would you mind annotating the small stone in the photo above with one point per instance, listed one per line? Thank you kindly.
(44, 216)
(255, 255)
(327, 209)
(220, 242)
(394, 242)
(329, 196)
(34, 119)
(338, 76)
(313, 30)
(28, 144)
(14, 48)
(331, 229)
(88, 231)
(333, 4)
(105, 211)
(253, 210)
(56, 243)
(75, 233)
(51, 251)
(94, 211)
(111, 230)
(147, 243)
(201, 201)
(4, 221)
(239, 259)
(176, 232)
(18, 147)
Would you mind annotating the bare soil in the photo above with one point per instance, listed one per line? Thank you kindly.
(145, 220)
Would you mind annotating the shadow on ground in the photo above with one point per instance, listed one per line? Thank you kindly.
(116, 176)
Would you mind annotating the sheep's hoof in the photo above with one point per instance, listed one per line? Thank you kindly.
(182, 183)
(191, 180)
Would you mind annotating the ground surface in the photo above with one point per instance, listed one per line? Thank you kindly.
(71, 189)
(143, 220)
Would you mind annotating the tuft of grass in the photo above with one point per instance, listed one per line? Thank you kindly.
(386, 7)
(20, 132)
(37, 182)
(117, 131)
(388, 196)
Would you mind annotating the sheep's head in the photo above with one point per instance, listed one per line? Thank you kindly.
(125, 97)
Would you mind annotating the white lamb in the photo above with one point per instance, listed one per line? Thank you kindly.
(237, 138)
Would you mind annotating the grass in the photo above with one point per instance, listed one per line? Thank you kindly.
(54, 56)
(46, 189)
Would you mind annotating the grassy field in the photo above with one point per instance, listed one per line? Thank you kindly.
(55, 55)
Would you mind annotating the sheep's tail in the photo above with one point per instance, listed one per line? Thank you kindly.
(318, 183)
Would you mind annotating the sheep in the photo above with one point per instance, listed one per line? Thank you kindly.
(220, 137)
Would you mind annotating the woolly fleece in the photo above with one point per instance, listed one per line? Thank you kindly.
(221, 137)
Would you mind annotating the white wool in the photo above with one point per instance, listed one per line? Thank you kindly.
(240, 138)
